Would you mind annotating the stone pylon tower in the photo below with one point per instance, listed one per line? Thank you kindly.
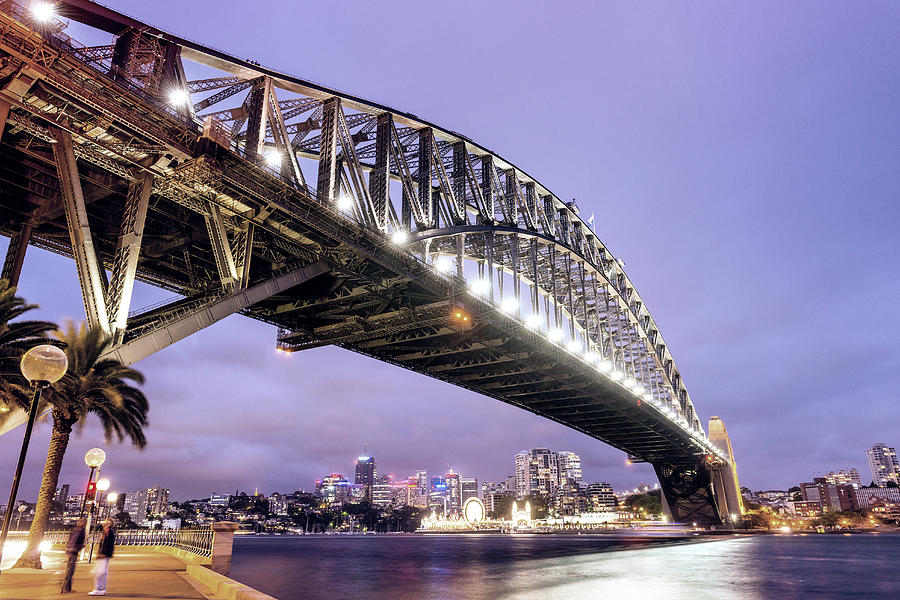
(725, 480)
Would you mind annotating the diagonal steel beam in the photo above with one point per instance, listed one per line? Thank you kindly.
(128, 250)
(182, 325)
(90, 275)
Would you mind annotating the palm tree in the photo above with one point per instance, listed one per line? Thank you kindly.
(92, 385)
(15, 339)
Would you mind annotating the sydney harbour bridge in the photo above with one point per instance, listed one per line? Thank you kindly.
(337, 220)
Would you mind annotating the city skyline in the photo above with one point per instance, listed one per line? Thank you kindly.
(751, 330)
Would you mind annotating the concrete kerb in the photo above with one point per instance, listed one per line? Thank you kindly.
(221, 586)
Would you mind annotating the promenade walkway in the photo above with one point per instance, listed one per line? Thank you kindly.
(133, 574)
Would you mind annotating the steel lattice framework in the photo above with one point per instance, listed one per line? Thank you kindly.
(339, 220)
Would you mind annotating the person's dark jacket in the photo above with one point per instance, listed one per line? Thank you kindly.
(76, 540)
(107, 541)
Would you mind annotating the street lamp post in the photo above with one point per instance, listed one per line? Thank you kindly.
(22, 509)
(41, 366)
(94, 458)
(111, 498)
(102, 486)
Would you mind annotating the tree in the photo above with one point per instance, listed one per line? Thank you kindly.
(92, 385)
(15, 339)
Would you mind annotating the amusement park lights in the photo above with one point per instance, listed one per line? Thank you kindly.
(179, 96)
(43, 12)
(399, 237)
(344, 203)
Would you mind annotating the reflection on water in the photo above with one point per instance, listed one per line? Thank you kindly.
(566, 567)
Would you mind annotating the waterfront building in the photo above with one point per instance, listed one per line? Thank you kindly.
(365, 474)
(468, 488)
(865, 497)
(569, 468)
(333, 488)
(523, 459)
(600, 497)
(804, 508)
(826, 494)
(487, 487)
(569, 499)
(454, 492)
(422, 485)
(219, 499)
(844, 477)
(884, 465)
(773, 496)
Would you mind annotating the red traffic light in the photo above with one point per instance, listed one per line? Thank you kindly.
(91, 491)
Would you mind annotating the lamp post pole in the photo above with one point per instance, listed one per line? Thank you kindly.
(41, 366)
(32, 414)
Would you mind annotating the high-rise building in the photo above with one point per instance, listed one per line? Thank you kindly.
(569, 468)
(334, 488)
(157, 501)
(437, 495)
(365, 474)
(136, 505)
(454, 492)
(382, 490)
(844, 477)
(62, 494)
(468, 488)
(884, 465)
(537, 472)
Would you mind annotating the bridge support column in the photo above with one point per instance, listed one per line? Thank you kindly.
(15, 255)
(90, 274)
(688, 494)
(727, 493)
(128, 250)
(380, 177)
(328, 179)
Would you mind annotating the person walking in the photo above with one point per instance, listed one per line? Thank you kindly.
(104, 553)
(73, 547)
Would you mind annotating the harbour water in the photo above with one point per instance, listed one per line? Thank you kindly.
(532, 567)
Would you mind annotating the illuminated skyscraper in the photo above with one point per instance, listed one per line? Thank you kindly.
(454, 492)
(844, 477)
(569, 468)
(883, 462)
(468, 488)
(365, 474)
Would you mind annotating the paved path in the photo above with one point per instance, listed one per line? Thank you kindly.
(133, 574)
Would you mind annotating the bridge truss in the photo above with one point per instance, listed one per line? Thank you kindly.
(339, 220)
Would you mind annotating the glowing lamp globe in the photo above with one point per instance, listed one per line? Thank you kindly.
(94, 457)
(111, 497)
(102, 484)
(44, 363)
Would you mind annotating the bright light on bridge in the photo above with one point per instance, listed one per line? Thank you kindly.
(509, 304)
(590, 356)
(344, 203)
(43, 12)
(533, 321)
(574, 346)
(443, 264)
(618, 375)
(480, 286)
(272, 158)
(555, 335)
(179, 96)
(399, 237)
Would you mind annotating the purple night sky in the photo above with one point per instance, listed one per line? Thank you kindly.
(744, 160)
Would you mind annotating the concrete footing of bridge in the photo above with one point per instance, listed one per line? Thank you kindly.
(689, 495)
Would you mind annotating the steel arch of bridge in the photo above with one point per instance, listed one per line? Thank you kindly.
(257, 187)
